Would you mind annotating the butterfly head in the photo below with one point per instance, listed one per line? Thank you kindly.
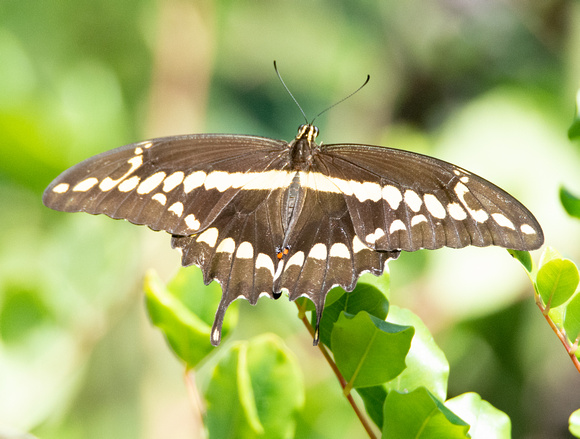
(307, 132)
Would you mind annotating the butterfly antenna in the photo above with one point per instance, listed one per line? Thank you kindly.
(343, 99)
(289, 92)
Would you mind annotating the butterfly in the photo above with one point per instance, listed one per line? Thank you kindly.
(261, 215)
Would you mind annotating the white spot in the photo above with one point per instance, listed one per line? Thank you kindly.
(339, 250)
(361, 190)
(138, 151)
(373, 237)
(367, 191)
(317, 181)
(161, 198)
(527, 229)
(296, 259)
(61, 188)
(456, 211)
(219, 180)
(151, 183)
(215, 335)
(108, 183)
(461, 190)
(479, 215)
(268, 180)
(338, 185)
(193, 180)
(262, 181)
(464, 179)
(456, 172)
(147, 145)
(418, 219)
(393, 196)
(192, 222)
(264, 261)
(502, 220)
(210, 237)
(173, 181)
(129, 184)
(245, 251)
(397, 225)
(413, 200)
(357, 245)
(434, 206)
(228, 245)
(279, 270)
(319, 252)
(176, 208)
(85, 185)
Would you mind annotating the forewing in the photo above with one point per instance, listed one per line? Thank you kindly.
(407, 201)
(179, 184)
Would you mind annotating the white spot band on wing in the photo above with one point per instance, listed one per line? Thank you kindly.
(61, 188)
(85, 185)
(108, 183)
(209, 236)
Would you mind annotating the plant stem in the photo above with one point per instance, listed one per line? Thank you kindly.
(571, 349)
(194, 397)
(365, 423)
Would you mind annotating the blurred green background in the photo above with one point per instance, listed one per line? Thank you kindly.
(487, 84)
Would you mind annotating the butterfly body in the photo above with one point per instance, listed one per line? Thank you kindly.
(261, 215)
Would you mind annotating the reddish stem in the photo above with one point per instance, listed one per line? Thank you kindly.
(571, 349)
(365, 423)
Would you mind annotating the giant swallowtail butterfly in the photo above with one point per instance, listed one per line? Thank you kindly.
(261, 215)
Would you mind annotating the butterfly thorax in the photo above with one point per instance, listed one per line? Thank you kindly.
(303, 147)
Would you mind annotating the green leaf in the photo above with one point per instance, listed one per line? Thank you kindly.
(185, 323)
(524, 258)
(574, 130)
(426, 367)
(574, 423)
(369, 351)
(570, 202)
(420, 415)
(364, 297)
(548, 254)
(374, 400)
(556, 281)
(333, 295)
(485, 420)
(255, 391)
(572, 318)
(426, 363)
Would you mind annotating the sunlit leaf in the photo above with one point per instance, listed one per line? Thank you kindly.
(485, 420)
(570, 202)
(255, 391)
(374, 400)
(364, 297)
(186, 326)
(524, 258)
(420, 415)
(557, 280)
(548, 254)
(572, 318)
(369, 351)
(574, 130)
(574, 423)
(426, 363)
